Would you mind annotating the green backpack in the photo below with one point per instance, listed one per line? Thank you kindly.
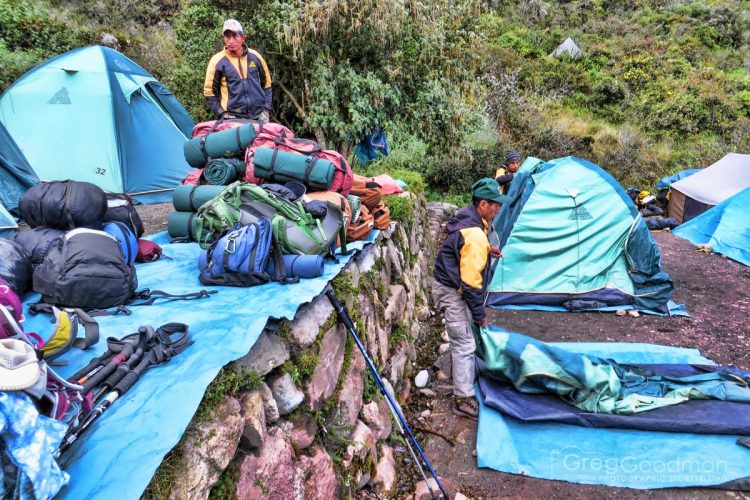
(295, 230)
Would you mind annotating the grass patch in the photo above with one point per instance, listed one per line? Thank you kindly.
(229, 382)
(401, 208)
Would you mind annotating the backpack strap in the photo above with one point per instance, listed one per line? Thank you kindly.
(66, 206)
(77, 316)
(311, 161)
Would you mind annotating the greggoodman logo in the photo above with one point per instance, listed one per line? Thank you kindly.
(573, 462)
(579, 213)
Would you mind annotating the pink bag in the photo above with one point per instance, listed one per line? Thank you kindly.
(194, 178)
(11, 312)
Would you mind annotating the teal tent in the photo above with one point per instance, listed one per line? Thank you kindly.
(94, 115)
(571, 237)
(16, 176)
(725, 227)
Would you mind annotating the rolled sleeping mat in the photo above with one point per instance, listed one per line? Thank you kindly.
(304, 266)
(355, 203)
(224, 171)
(280, 166)
(182, 225)
(230, 143)
(189, 198)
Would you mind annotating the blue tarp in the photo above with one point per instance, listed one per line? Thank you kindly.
(665, 182)
(725, 227)
(121, 451)
(613, 457)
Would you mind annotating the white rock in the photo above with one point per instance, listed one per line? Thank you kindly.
(421, 379)
(444, 348)
(425, 414)
(633, 313)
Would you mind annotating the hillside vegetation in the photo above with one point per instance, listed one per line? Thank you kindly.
(662, 85)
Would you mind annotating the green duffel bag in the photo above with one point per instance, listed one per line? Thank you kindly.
(280, 166)
(295, 229)
(181, 226)
(224, 171)
(229, 143)
(190, 198)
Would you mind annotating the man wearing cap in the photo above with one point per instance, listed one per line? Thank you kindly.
(507, 170)
(238, 83)
(461, 276)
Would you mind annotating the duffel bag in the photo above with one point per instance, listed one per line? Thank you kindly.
(381, 216)
(342, 175)
(120, 208)
(336, 199)
(190, 198)
(361, 228)
(239, 258)
(368, 190)
(275, 129)
(87, 269)
(37, 242)
(15, 268)
(125, 237)
(279, 166)
(64, 205)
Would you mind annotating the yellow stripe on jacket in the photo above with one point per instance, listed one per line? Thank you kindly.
(208, 83)
(474, 253)
(264, 68)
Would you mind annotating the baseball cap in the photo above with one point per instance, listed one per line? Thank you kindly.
(234, 26)
(488, 189)
(19, 366)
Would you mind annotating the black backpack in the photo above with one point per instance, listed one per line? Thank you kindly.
(15, 268)
(85, 269)
(37, 242)
(64, 205)
(120, 208)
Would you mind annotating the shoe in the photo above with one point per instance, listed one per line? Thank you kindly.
(466, 407)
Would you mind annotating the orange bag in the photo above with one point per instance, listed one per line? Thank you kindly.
(361, 229)
(369, 191)
(336, 199)
(381, 216)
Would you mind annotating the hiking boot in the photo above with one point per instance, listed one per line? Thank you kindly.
(466, 407)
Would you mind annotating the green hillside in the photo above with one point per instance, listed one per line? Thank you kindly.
(661, 86)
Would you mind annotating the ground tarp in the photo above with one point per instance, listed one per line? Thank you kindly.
(725, 227)
(120, 452)
(613, 457)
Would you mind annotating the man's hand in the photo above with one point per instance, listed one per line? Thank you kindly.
(482, 323)
(496, 252)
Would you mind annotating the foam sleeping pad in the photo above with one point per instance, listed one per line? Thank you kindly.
(304, 266)
(189, 198)
(230, 143)
(224, 171)
(181, 225)
(280, 166)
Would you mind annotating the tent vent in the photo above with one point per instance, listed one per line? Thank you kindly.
(60, 97)
(579, 213)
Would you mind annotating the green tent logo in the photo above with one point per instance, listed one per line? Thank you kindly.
(61, 97)
(579, 213)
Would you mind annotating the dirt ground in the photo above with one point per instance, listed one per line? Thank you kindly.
(716, 292)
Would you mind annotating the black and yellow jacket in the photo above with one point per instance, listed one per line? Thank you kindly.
(504, 177)
(239, 85)
(463, 262)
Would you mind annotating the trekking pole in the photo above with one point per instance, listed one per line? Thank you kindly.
(160, 350)
(344, 317)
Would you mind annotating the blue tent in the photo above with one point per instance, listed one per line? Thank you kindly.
(572, 237)
(725, 227)
(665, 182)
(94, 115)
(16, 176)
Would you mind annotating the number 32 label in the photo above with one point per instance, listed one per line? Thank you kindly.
(101, 171)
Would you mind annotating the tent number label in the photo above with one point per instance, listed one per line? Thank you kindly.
(101, 171)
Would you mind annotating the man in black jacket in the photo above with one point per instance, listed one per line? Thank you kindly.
(504, 174)
(238, 83)
(462, 272)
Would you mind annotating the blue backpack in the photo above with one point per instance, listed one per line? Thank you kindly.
(126, 238)
(240, 257)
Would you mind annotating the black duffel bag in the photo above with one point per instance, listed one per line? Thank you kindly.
(64, 205)
(120, 208)
(15, 268)
(86, 269)
(37, 242)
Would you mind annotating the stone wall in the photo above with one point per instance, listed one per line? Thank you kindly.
(315, 425)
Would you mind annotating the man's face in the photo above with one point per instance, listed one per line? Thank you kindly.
(488, 210)
(513, 166)
(233, 41)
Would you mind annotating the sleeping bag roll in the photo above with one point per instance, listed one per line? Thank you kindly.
(224, 171)
(182, 225)
(230, 143)
(189, 198)
(303, 266)
(280, 166)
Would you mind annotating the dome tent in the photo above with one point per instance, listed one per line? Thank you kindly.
(572, 237)
(94, 115)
